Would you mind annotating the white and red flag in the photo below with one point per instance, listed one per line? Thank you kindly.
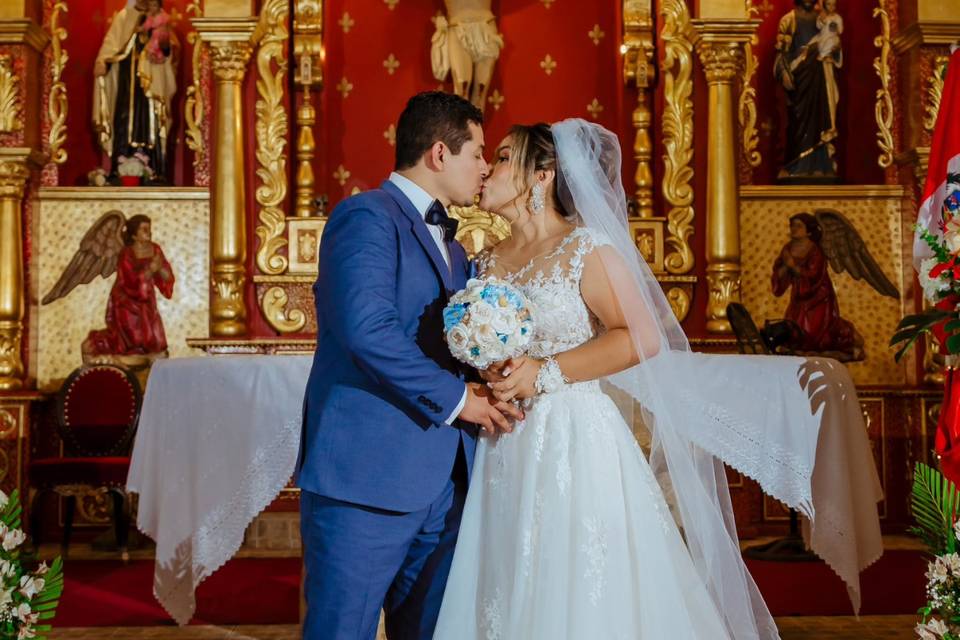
(941, 192)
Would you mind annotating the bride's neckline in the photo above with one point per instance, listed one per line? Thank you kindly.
(549, 253)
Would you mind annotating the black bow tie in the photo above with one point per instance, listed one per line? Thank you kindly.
(437, 214)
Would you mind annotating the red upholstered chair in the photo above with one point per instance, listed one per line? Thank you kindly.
(97, 411)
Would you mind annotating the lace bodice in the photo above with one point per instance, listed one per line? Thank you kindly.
(551, 282)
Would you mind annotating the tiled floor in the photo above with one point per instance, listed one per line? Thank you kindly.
(868, 628)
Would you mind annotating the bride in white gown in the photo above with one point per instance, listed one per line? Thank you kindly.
(566, 533)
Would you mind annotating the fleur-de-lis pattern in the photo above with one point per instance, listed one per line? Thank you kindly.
(346, 22)
(391, 64)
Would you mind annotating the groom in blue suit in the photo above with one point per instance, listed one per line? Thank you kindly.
(390, 424)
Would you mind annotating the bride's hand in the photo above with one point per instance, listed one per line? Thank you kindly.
(519, 384)
(495, 372)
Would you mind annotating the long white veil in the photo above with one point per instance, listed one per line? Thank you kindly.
(664, 383)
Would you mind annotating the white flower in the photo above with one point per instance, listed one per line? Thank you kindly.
(932, 630)
(506, 322)
(26, 631)
(42, 569)
(932, 286)
(457, 337)
(485, 336)
(13, 539)
(30, 586)
(481, 313)
(4, 499)
(22, 611)
(6, 597)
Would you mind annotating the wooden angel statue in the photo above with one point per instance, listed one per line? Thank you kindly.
(816, 241)
(134, 328)
(467, 45)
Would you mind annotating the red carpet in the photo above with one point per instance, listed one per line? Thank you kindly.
(266, 591)
(893, 585)
(243, 591)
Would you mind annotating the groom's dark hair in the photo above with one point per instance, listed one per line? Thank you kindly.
(429, 117)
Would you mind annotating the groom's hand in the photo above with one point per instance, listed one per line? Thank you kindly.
(483, 409)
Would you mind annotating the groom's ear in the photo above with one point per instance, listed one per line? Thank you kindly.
(436, 155)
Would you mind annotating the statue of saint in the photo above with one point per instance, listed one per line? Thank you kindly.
(466, 44)
(134, 83)
(808, 54)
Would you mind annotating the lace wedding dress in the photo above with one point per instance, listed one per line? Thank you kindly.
(565, 533)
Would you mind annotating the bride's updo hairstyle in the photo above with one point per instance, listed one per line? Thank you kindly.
(531, 150)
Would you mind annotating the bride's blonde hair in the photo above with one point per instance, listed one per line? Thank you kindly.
(532, 149)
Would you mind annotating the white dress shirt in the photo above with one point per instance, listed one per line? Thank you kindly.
(422, 201)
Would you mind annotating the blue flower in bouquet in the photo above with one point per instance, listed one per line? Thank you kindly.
(453, 314)
(488, 321)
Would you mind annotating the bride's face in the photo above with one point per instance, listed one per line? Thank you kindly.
(499, 192)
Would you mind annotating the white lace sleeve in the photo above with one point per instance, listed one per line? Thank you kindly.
(587, 242)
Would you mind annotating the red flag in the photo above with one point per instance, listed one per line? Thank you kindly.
(940, 201)
(943, 169)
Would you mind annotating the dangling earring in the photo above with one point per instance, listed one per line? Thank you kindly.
(537, 199)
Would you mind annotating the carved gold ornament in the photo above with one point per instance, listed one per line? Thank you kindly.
(934, 92)
(193, 109)
(10, 116)
(676, 68)
(57, 100)
(271, 133)
(884, 106)
(747, 107)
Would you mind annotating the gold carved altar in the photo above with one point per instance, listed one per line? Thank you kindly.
(286, 107)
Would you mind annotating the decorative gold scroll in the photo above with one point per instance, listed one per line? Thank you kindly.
(271, 131)
(10, 116)
(934, 92)
(747, 106)
(193, 105)
(676, 70)
(884, 105)
(57, 101)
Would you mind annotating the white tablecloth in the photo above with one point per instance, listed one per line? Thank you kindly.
(818, 462)
(218, 440)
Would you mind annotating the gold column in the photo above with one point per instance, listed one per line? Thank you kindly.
(308, 51)
(719, 45)
(15, 164)
(639, 70)
(229, 40)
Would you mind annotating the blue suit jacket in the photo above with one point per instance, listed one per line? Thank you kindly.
(383, 381)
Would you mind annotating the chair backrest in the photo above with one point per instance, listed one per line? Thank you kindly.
(97, 409)
(748, 336)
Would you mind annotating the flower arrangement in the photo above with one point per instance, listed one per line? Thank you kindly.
(939, 277)
(489, 321)
(26, 597)
(135, 166)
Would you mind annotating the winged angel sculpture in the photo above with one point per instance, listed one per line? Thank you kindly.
(813, 321)
(134, 332)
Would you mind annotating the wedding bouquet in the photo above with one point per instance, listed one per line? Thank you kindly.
(488, 321)
(26, 597)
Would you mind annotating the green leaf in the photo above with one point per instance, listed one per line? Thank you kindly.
(934, 502)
